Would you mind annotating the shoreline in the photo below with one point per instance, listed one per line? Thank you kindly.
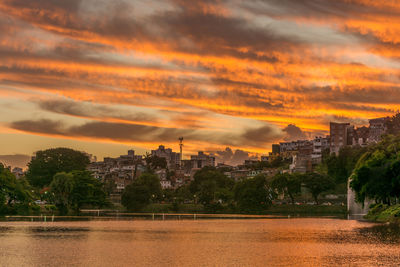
(164, 211)
(384, 214)
(158, 217)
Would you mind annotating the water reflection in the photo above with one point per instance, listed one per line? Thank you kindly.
(263, 242)
(382, 233)
(5, 229)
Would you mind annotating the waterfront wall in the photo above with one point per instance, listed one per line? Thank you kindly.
(353, 207)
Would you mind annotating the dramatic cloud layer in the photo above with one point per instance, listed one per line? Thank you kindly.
(242, 74)
(233, 158)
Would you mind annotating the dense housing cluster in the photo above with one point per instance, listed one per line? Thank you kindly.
(305, 155)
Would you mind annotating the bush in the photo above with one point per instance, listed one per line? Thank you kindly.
(213, 207)
(384, 213)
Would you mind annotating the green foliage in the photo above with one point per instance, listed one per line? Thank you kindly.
(152, 182)
(76, 189)
(340, 167)
(47, 163)
(393, 125)
(173, 208)
(276, 162)
(181, 194)
(209, 183)
(109, 186)
(308, 210)
(213, 207)
(140, 193)
(317, 183)
(15, 195)
(61, 188)
(86, 190)
(154, 162)
(377, 174)
(252, 195)
(384, 213)
(224, 194)
(287, 183)
(135, 197)
(206, 191)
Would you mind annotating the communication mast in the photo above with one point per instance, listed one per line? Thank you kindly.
(180, 147)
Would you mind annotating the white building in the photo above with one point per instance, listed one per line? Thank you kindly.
(320, 144)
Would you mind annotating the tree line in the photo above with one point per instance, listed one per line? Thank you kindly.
(57, 176)
(60, 176)
(219, 193)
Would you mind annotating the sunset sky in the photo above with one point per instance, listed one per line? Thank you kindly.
(107, 76)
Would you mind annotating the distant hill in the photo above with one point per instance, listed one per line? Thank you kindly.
(17, 160)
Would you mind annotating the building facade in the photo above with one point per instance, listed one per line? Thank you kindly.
(341, 134)
(173, 159)
(377, 127)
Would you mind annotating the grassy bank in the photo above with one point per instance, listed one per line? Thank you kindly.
(310, 210)
(174, 208)
(384, 213)
(285, 209)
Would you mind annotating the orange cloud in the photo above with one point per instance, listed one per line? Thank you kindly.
(206, 64)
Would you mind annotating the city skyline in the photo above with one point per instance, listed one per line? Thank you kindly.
(107, 77)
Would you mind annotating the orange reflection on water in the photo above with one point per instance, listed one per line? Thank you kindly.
(261, 242)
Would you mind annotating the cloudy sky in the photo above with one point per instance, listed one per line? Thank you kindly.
(104, 76)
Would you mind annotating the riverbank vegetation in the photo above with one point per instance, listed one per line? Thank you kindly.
(15, 195)
(213, 192)
(384, 213)
(273, 209)
(377, 173)
(56, 182)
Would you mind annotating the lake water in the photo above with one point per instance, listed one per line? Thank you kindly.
(215, 242)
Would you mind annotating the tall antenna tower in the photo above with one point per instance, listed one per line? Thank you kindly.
(180, 153)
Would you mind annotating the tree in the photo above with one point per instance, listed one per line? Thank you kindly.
(152, 182)
(253, 195)
(317, 183)
(183, 193)
(138, 194)
(154, 162)
(377, 173)
(287, 183)
(135, 197)
(15, 195)
(207, 191)
(340, 167)
(393, 124)
(47, 163)
(224, 194)
(207, 182)
(86, 190)
(75, 189)
(109, 185)
(61, 188)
